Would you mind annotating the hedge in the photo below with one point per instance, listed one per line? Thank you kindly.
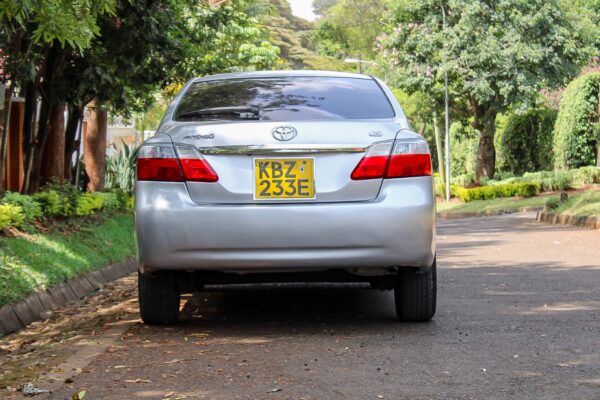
(557, 180)
(524, 141)
(496, 191)
(575, 135)
(19, 210)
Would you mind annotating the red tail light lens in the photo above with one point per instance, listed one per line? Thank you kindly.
(374, 163)
(198, 170)
(160, 163)
(407, 165)
(370, 168)
(407, 158)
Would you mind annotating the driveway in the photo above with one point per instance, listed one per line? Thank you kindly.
(518, 318)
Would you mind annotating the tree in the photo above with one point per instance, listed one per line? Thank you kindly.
(320, 7)
(576, 132)
(35, 35)
(350, 28)
(495, 53)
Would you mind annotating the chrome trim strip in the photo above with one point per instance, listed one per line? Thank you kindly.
(267, 149)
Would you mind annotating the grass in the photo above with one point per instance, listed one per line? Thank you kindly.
(41, 259)
(495, 205)
(584, 204)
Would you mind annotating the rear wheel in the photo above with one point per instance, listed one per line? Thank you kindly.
(415, 294)
(158, 297)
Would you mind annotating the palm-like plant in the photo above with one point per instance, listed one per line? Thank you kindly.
(120, 168)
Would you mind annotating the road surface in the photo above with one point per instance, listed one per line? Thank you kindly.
(518, 318)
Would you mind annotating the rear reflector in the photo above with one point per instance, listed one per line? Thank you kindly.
(158, 162)
(408, 158)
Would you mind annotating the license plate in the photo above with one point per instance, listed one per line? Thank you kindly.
(284, 178)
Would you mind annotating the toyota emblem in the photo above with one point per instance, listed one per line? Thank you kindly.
(284, 133)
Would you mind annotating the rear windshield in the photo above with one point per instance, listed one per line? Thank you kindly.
(284, 99)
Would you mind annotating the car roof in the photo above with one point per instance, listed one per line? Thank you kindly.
(282, 74)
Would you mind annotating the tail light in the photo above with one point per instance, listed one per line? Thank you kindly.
(163, 162)
(399, 159)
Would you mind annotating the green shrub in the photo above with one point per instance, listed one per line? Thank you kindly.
(69, 197)
(586, 175)
(574, 133)
(524, 141)
(560, 180)
(120, 168)
(11, 215)
(88, 203)
(463, 149)
(50, 203)
(31, 209)
(130, 203)
(552, 203)
(110, 201)
(497, 191)
(122, 197)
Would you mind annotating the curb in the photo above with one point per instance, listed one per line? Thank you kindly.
(37, 305)
(451, 215)
(589, 222)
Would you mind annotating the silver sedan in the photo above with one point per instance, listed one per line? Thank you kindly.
(285, 176)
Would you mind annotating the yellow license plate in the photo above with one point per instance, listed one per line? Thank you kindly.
(284, 178)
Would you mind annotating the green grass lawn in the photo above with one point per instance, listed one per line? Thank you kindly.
(39, 260)
(483, 206)
(586, 204)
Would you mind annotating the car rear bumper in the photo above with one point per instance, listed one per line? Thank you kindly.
(395, 229)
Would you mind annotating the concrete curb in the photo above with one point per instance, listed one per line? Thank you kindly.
(451, 215)
(589, 222)
(36, 306)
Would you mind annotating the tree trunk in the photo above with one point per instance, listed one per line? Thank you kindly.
(71, 142)
(438, 148)
(94, 147)
(37, 149)
(5, 126)
(53, 159)
(52, 62)
(485, 123)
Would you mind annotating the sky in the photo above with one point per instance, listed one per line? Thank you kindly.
(303, 9)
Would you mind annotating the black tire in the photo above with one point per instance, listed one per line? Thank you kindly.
(416, 294)
(158, 296)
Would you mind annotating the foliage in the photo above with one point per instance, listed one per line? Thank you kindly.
(524, 141)
(70, 22)
(349, 29)
(585, 204)
(575, 134)
(50, 202)
(29, 207)
(496, 191)
(120, 168)
(58, 201)
(88, 203)
(493, 206)
(68, 195)
(110, 201)
(224, 38)
(42, 259)
(552, 203)
(557, 180)
(463, 149)
(495, 54)
(11, 215)
(292, 35)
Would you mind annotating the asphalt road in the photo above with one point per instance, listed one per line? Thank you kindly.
(518, 318)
